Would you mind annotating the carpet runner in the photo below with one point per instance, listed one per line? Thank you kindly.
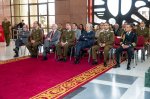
(28, 78)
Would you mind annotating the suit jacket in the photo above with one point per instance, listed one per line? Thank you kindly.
(55, 38)
(130, 39)
(77, 34)
(23, 35)
(88, 37)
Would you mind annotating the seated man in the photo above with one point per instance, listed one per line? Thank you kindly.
(35, 39)
(105, 40)
(51, 39)
(67, 40)
(142, 30)
(22, 39)
(86, 40)
(128, 44)
(76, 30)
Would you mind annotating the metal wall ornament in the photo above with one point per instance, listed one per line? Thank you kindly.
(118, 11)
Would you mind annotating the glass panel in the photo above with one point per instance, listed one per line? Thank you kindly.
(15, 2)
(17, 20)
(32, 1)
(32, 19)
(6, 2)
(23, 1)
(1, 10)
(51, 8)
(42, 1)
(16, 10)
(115, 8)
(43, 21)
(23, 10)
(6, 10)
(125, 6)
(25, 20)
(33, 9)
(51, 0)
(51, 20)
(43, 9)
(12, 10)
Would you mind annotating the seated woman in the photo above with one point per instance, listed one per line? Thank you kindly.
(22, 39)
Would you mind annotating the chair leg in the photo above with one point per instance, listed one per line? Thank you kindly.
(90, 50)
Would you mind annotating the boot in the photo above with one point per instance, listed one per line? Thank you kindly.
(128, 66)
(76, 60)
(94, 62)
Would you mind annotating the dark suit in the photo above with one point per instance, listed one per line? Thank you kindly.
(129, 40)
(54, 40)
(86, 40)
(23, 38)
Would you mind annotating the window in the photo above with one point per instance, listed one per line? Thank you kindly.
(33, 10)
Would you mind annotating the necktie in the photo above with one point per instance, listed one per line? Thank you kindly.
(52, 34)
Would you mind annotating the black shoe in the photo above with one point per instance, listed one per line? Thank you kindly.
(116, 66)
(76, 61)
(64, 59)
(16, 55)
(94, 62)
(105, 64)
(15, 50)
(60, 59)
(45, 58)
(128, 66)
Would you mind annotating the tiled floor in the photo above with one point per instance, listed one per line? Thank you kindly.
(115, 84)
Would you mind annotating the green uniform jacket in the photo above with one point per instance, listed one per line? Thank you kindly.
(68, 36)
(36, 35)
(144, 32)
(6, 26)
(106, 37)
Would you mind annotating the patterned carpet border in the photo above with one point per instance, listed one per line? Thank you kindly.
(13, 60)
(71, 84)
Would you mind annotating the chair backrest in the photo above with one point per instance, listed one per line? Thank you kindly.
(140, 41)
(117, 40)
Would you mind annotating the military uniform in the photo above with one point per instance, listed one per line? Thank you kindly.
(129, 39)
(107, 38)
(67, 37)
(36, 35)
(6, 26)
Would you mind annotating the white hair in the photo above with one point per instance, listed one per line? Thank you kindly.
(89, 25)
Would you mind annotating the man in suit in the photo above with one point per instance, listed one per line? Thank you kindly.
(86, 40)
(7, 30)
(51, 39)
(35, 39)
(67, 40)
(128, 44)
(22, 40)
(105, 40)
(76, 30)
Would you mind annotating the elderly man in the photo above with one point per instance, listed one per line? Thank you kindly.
(51, 39)
(67, 40)
(105, 40)
(86, 40)
(76, 30)
(22, 40)
(35, 39)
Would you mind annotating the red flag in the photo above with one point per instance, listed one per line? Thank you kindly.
(2, 38)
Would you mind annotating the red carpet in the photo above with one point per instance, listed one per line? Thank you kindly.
(36, 79)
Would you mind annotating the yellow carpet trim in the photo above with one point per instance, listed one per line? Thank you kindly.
(13, 60)
(68, 85)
